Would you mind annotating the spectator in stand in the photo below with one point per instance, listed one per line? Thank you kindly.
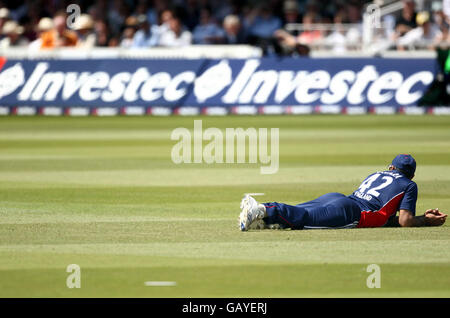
(307, 37)
(310, 35)
(59, 36)
(223, 8)
(131, 25)
(12, 33)
(425, 36)
(446, 10)
(127, 38)
(147, 35)
(84, 26)
(407, 20)
(117, 15)
(114, 42)
(353, 16)
(291, 13)
(298, 45)
(45, 24)
(337, 40)
(191, 14)
(165, 17)
(4, 16)
(150, 13)
(208, 32)
(99, 10)
(234, 32)
(313, 7)
(442, 22)
(439, 17)
(262, 24)
(102, 33)
(176, 35)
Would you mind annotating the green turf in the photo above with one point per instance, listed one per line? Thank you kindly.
(103, 193)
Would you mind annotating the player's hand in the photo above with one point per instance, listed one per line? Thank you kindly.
(434, 211)
(434, 217)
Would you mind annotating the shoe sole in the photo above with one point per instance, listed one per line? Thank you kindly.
(243, 217)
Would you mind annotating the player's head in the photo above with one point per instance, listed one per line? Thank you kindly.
(405, 164)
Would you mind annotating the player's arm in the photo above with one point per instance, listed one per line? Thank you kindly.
(392, 222)
(432, 217)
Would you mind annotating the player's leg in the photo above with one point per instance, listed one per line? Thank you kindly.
(337, 212)
(268, 215)
(329, 210)
(288, 216)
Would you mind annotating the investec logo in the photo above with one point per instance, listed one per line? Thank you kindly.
(248, 86)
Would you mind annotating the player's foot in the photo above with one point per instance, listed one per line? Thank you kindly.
(251, 211)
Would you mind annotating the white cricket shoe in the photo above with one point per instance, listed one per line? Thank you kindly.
(250, 212)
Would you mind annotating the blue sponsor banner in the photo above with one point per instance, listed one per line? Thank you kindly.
(93, 83)
(226, 83)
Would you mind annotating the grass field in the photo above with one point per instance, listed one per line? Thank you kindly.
(103, 193)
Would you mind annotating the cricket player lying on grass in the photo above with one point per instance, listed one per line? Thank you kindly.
(375, 203)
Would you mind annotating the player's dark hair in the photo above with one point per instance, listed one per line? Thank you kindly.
(409, 176)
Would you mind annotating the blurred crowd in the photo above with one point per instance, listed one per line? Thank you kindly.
(331, 24)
